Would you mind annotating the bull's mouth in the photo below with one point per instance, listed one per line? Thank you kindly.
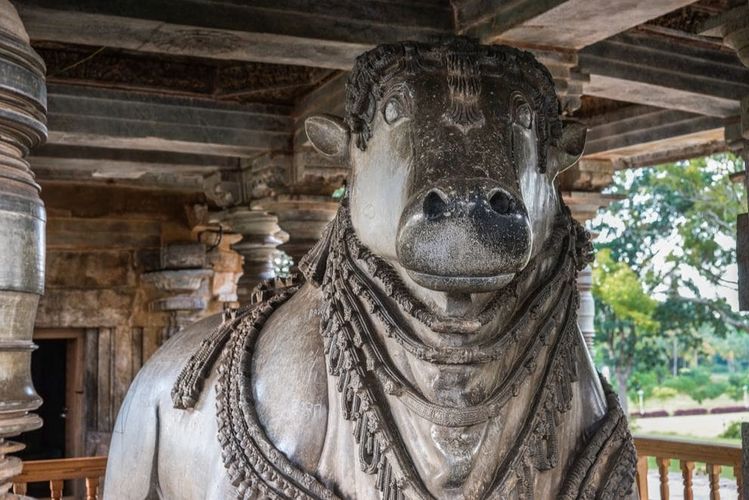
(461, 284)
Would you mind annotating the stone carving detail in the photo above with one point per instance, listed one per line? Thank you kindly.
(261, 236)
(433, 330)
(193, 279)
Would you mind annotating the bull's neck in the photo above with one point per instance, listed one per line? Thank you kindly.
(435, 380)
(436, 374)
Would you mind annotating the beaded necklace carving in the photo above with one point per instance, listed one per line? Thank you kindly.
(360, 289)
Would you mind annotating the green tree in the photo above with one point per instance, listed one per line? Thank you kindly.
(668, 240)
(625, 318)
(697, 384)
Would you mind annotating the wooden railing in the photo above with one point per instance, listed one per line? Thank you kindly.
(687, 454)
(663, 450)
(56, 472)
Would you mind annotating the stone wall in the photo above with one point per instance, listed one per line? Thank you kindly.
(103, 241)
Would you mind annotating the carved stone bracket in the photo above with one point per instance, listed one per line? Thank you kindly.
(226, 264)
(303, 217)
(567, 79)
(23, 107)
(733, 27)
(587, 175)
(265, 175)
(584, 205)
(260, 237)
(220, 190)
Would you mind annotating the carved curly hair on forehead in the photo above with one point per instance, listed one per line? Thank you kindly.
(463, 61)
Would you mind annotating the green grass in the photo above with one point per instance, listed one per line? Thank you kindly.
(682, 401)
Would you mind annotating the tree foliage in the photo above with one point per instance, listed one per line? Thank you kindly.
(697, 384)
(625, 316)
(664, 250)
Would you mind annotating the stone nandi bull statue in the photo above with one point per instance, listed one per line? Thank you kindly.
(431, 350)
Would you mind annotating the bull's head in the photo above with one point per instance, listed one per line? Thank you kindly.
(453, 151)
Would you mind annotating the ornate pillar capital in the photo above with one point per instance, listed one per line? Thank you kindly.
(261, 235)
(302, 216)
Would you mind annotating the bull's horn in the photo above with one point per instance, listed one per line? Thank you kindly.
(329, 135)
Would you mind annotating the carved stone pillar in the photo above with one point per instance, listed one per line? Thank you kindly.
(742, 241)
(260, 237)
(733, 27)
(587, 308)
(23, 107)
(303, 217)
(226, 264)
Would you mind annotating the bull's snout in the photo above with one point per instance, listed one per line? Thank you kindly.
(464, 235)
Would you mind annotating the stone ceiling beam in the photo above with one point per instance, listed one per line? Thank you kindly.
(667, 73)
(173, 171)
(326, 34)
(562, 24)
(672, 155)
(124, 163)
(643, 130)
(85, 116)
(585, 204)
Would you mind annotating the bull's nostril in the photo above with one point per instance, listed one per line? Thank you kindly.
(502, 203)
(435, 205)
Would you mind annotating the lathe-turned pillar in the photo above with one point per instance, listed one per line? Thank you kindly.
(733, 28)
(303, 217)
(23, 108)
(261, 235)
(742, 239)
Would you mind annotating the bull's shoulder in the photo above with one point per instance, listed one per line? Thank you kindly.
(290, 379)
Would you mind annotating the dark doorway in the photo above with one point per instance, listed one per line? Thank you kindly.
(48, 370)
(57, 372)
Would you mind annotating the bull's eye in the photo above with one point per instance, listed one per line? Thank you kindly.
(524, 115)
(393, 110)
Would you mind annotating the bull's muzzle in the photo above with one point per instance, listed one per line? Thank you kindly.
(464, 236)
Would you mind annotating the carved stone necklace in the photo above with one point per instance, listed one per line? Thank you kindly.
(346, 328)
(354, 357)
(363, 376)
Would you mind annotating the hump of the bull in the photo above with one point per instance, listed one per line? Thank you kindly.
(290, 379)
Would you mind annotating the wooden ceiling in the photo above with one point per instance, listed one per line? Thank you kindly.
(166, 88)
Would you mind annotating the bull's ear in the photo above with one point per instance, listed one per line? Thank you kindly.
(329, 135)
(569, 148)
